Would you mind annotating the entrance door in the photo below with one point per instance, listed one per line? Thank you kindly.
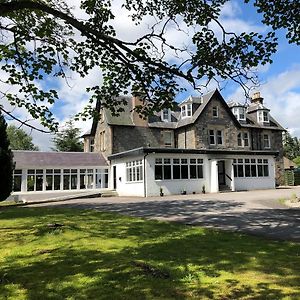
(114, 177)
(221, 172)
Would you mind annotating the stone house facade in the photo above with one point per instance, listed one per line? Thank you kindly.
(233, 139)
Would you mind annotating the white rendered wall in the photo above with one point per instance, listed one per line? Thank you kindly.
(125, 188)
(174, 186)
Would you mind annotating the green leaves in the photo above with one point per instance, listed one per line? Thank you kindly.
(44, 41)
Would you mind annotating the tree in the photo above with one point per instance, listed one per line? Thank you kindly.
(43, 39)
(68, 139)
(19, 139)
(296, 160)
(6, 162)
(291, 146)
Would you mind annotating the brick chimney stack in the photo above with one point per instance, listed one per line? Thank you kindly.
(257, 99)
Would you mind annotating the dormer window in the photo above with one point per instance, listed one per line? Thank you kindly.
(186, 110)
(239, 113)
(166, 115)
(263, 116)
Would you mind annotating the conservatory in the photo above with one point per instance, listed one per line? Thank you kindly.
(59, 171)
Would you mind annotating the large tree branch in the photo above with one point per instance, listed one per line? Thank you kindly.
(95, 35)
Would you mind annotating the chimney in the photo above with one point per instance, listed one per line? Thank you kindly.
(257, 99)
(137, 101)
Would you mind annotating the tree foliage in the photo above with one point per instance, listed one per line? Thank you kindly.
(6, 162)
(291, 146)
(68, 139)
(19, 139)
(43, 39)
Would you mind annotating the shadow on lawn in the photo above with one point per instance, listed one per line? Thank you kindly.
(276, 223)
(191, 256)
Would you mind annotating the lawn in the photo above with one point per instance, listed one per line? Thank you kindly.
(99, 255)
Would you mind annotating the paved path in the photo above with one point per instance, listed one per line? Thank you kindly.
(255, 212)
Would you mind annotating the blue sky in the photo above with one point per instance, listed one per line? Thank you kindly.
(280, 81)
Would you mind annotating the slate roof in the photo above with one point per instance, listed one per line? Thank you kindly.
(125, 117)
(38, 159)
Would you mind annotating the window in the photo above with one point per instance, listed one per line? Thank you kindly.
(239, 140)
(166, 115)
(186, 110)
(266, 116)
(189, 110)
(215, 137)
(239, 113)
(215, 112)
(243, 139)
(219, 137)
(251, 167)
(92, 144)
(168, 138)
(242, 113)
(17, 183)
(70, 179)
(263, 116)
(134, 171)
(176, 168)
(266, 141)
(34, 180)
(212, 140)
(246, 139)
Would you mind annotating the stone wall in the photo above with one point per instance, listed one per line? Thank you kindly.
(223, 122)
(129, 137)
(185, 138)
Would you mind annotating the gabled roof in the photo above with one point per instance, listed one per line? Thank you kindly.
(235, 104)
(38, 159)
(125, 118)
(205, 100)
(254, 107)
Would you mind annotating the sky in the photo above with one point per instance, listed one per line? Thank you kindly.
(279, 81)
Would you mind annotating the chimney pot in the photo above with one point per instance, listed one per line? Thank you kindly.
(257, 99)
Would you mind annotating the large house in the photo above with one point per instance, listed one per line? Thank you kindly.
(204, 145)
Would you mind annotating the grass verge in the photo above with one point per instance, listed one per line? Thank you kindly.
(98, 255)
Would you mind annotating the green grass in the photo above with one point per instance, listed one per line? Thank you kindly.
(107, 256)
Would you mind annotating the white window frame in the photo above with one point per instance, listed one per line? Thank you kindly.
(165, 118)
(165, 132)
(263, 116)
(239, 140)
(221, 136)
(266, 118)
(215, 112)
(198, 163)
(242, 137)
(134, 171)
(212, 134)
(186, 110)
(239, 112)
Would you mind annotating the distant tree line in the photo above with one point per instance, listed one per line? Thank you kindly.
(291, 148)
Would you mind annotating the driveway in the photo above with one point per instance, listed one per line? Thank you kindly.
(255, 212)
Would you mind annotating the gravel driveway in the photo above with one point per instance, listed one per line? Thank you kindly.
(255, 212)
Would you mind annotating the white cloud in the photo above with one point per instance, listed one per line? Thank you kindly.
(281, 94)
